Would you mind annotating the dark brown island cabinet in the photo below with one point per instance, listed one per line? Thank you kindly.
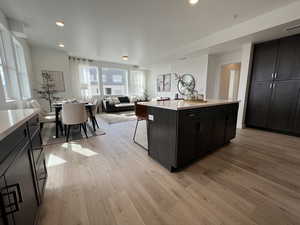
(274, 97)
(22, 167)
(180, 132)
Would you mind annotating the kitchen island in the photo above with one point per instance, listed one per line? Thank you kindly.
(180, 132)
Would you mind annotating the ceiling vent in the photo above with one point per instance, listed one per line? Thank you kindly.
(296, 27)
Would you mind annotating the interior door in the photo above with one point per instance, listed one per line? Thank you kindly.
(258, 104)
(19, 179)
(288, 59)
(264, 61)
(282, 105)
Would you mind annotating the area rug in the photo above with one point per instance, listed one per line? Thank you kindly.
(48, 134)
(119, 117)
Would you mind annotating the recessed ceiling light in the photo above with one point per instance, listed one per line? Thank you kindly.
(60, 23)
(193, 2)
(61, 45)
(125, 57)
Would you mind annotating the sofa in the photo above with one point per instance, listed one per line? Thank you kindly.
(117, 104)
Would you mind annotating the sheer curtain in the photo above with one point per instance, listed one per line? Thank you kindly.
(137, 83)
(75, 68)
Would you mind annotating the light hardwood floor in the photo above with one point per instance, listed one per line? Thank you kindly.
(108, 180)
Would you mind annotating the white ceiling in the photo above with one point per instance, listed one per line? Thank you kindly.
(143, 29)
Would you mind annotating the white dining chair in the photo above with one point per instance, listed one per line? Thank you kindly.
(44, 116)
(74, 114)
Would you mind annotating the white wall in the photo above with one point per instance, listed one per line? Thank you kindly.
(215, 64)
(195, 66)
(244, 82)
(50, 59)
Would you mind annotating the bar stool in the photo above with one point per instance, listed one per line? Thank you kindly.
(141, 114)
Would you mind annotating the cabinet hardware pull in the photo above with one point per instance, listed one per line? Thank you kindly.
(275, 75)
(272, 75)
(192, 115)
(274, 85)
(270, 85)
(17, 186)
(14, 204)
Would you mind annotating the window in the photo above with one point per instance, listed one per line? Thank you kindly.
(137, 81)
(114, 81)
(22, 71)
(13, 71)
(89, 81)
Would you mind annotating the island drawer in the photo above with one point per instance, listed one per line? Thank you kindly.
(8, 144)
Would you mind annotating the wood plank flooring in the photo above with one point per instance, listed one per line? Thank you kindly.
(108, 180)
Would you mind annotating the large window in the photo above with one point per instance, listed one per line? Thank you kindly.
(89, 81)
(13, 72)
(114, 81)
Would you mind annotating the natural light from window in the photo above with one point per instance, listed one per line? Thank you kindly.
(79, 149)
(54, 160)
(115, 81)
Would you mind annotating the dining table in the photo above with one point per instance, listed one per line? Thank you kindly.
(58, 123)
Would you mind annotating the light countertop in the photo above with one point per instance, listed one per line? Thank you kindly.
(182, 104)
(10, 120)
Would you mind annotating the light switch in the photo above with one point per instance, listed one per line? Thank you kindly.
(151, 117)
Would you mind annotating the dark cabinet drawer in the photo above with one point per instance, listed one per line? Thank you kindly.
(8, 144)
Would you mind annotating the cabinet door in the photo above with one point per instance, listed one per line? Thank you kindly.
(296, 119)
(258, 104)
(219, 129)
(231, 120)
(284, 99)
(264, 61)
(20, 180)
(288, 66)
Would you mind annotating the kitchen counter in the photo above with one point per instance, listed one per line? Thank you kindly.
(12, 119)
(182, 104)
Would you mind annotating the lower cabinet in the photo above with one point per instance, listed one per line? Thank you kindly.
(19, 181)
(275, 106)
(23, 176)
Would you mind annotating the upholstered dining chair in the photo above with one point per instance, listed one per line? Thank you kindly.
(74, 114)
(44, 117)
(141, 114)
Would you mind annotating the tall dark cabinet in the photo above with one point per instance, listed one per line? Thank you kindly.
(274, 96)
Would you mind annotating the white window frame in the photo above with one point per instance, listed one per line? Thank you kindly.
(11, 71)
(19, 72)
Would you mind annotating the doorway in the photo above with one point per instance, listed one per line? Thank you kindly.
(229, 81)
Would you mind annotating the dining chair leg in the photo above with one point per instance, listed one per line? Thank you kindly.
(136, 126)
(61, 128)
(65, 128)
(84, 128)
(96, 122)
(68, 133)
